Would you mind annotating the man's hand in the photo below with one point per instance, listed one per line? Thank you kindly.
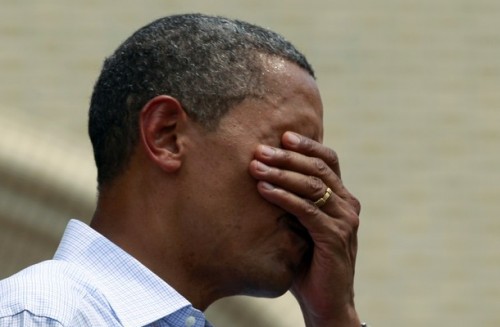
(300, 174)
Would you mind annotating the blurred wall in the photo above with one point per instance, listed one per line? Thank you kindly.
(411, 93)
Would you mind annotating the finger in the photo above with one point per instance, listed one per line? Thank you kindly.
(315, 220)
(311, 148)
(305, 186)
(292, 160)
(298, 162)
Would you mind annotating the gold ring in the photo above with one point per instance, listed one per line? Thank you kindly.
(321, 202)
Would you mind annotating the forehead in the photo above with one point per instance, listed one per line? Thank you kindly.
(292, 97)
(291, 102)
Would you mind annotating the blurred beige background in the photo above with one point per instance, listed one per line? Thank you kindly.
(412, 97)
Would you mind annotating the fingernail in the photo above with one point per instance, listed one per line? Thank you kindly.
(267, 151)
(262, 167)
(292, 138)
(267, 186)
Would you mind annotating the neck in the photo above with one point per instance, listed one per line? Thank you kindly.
(152, 235)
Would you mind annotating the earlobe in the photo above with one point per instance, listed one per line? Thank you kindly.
(159, 122)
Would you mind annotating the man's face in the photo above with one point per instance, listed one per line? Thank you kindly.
(240, 242)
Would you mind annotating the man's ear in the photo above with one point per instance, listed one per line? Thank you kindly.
(159, 123)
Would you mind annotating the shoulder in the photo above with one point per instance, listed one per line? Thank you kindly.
(55, 290)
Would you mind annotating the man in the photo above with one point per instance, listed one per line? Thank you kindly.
(212, 182)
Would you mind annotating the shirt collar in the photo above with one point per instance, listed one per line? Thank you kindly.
(137, 296)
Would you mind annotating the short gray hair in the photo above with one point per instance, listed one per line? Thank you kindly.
(208, 63)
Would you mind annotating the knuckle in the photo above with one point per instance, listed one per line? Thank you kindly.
(311, 210)
(353, 219)
(356, 204)
(285, 155)
(307, 144)
(279, 174)
(315, 185)
(350, 221)
(321, 167)
(331, 157)
(353, 201)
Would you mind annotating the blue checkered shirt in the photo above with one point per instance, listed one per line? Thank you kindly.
(92, 282)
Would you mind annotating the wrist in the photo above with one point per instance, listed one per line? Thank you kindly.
(346, 318)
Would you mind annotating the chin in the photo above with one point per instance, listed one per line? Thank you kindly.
(271, 282)
(268, 291)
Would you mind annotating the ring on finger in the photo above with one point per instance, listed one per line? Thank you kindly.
(321, 201)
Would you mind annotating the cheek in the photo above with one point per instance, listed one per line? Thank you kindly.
(228, 192)
(226, 189)
(241, 210)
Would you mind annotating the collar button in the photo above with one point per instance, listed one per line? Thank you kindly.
(190, 321)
